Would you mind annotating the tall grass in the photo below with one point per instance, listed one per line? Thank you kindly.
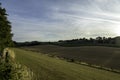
(10, 70)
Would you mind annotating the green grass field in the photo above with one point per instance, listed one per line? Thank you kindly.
(48, 68)
(98, 55)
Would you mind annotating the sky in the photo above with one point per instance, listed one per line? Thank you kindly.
(52, 20)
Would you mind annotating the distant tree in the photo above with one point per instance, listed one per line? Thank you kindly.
(91, 40)
(99, 39)
(104, 39)
(5, 30)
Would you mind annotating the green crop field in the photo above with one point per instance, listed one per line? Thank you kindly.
(49, 68)
(97, 55)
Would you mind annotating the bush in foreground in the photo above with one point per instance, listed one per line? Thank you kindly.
(10, 70)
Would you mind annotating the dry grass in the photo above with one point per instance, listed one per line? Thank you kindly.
(10, 70)
(11, 53)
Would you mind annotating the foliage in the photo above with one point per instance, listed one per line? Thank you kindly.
(5, 30)
(10, 70)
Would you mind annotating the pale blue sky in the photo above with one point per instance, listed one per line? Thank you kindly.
(51, 20)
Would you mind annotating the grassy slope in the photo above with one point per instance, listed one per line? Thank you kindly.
(48, 68)
(99, 55)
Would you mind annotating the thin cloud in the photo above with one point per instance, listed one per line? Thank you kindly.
(50, 20)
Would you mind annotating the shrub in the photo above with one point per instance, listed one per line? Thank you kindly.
(10, 70)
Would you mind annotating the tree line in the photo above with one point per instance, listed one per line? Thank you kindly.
(98, 41)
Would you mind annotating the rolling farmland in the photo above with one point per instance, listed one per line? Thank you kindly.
(97, 55)
(48, 68)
